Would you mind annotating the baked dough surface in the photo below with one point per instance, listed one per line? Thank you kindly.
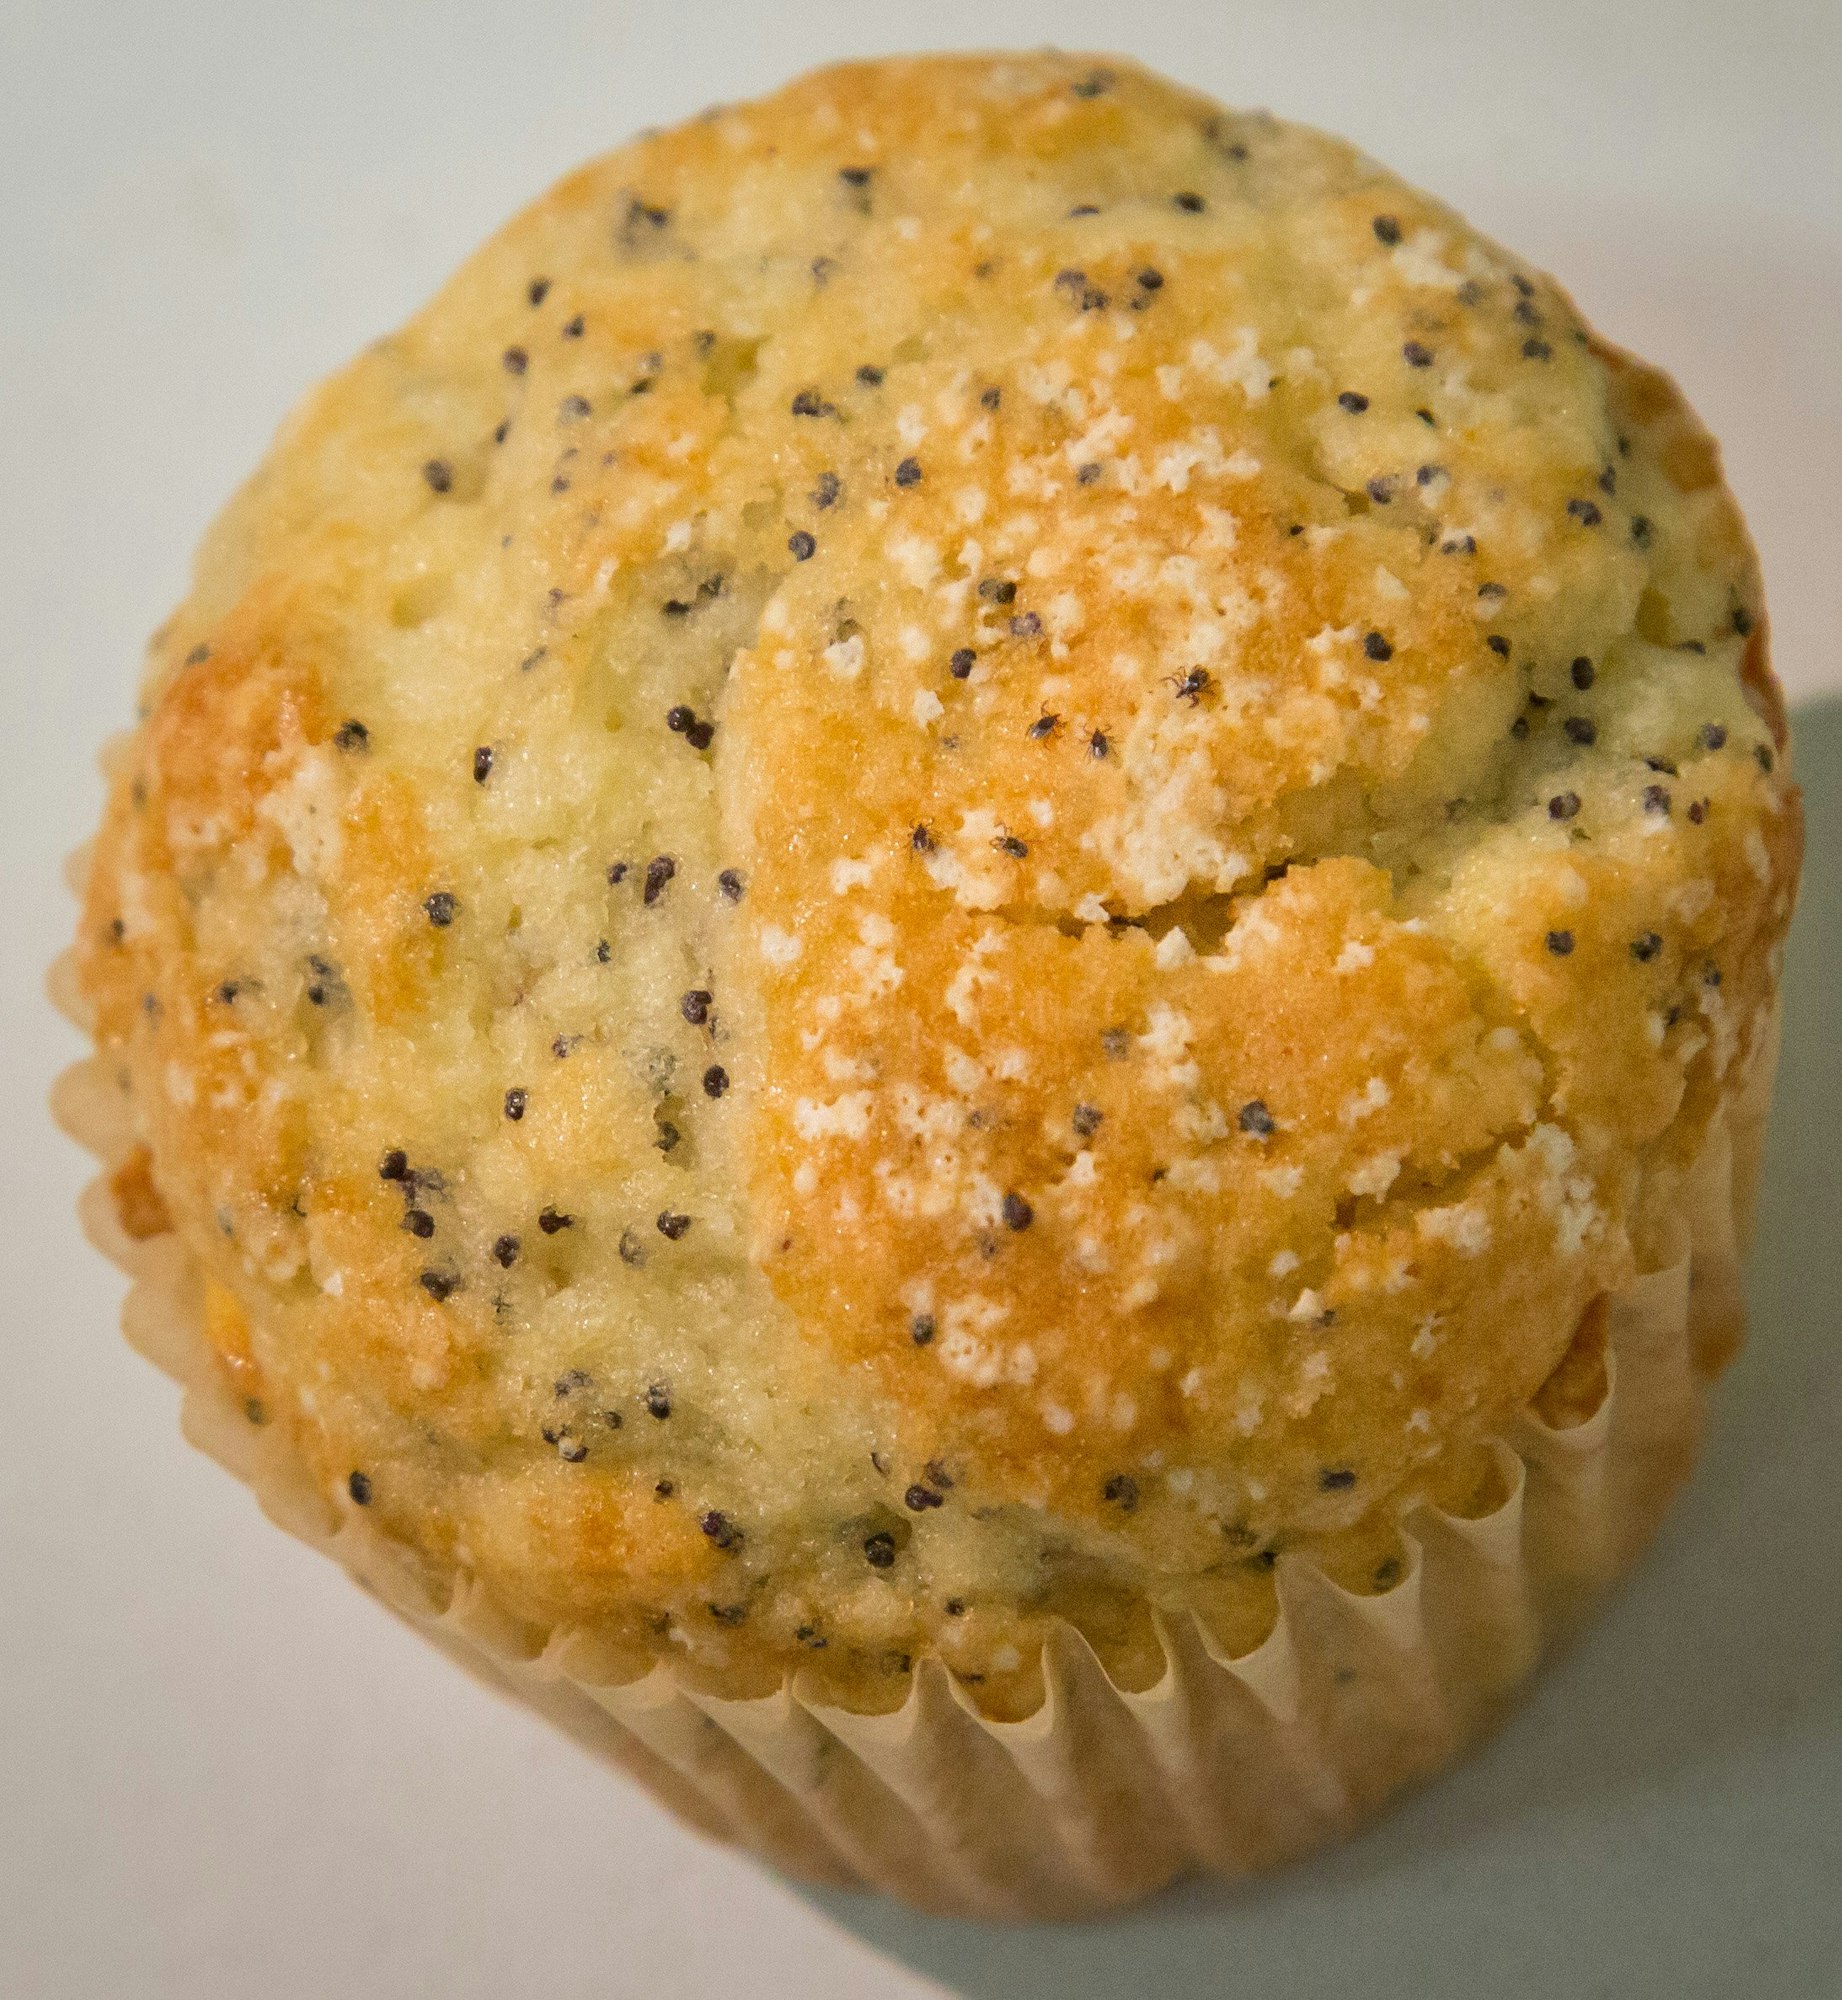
(972, 848)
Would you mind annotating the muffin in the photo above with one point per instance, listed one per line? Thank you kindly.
(940, 969)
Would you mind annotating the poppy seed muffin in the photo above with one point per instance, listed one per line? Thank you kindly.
(967, 857)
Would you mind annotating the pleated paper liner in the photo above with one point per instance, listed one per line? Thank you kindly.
(1225, 1765)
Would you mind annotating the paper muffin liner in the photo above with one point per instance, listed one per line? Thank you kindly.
(1225, 1765)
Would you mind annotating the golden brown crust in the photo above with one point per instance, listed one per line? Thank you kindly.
(977, 843)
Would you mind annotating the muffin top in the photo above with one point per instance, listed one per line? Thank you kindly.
(968, 854)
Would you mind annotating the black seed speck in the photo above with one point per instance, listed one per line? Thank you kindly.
(1121, 1490)
(505, 1251)
(659, 1401)
(716, 1080)
(439, 1286)
(809, 403)
(1564, 805)
(482, 764)
(1581, 673)
(552, 1220)
(1026, 625)
(673, 1226)
(879, 1550)
(1086, 1120)
(1087, 474)
(695, 1006)
(919, 1498)
(732, 884)
(1097, 744)
(352, 735)
(921, 840)
(1377, 647)
(659, 871)
(825, 489)
(1581, 729)
(1537, 349)
(1656, 800)
(997, 590)
(1018, 1214)
(921, 1329)
(1336, 1479)
(1254, 1117)
(908, 473)
(1560, 943)
(573, 328)
(721, 1530)
(1353, 401)
(870, 377)
(1698, 812)
(1387, 230)
(1008, 843)
(440, 908)
(359, 1487)
(419, 1222)
(1762, 756)
(1713, 736)
(700, 735)
(961, 664)
(394, 1166)
(1586, 512)
(989, 399)
(439, 474)
(1191, 204)
(1416, 354)
(1645, 948)
(802, 545)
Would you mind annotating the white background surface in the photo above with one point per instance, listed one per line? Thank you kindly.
(222, 1771)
